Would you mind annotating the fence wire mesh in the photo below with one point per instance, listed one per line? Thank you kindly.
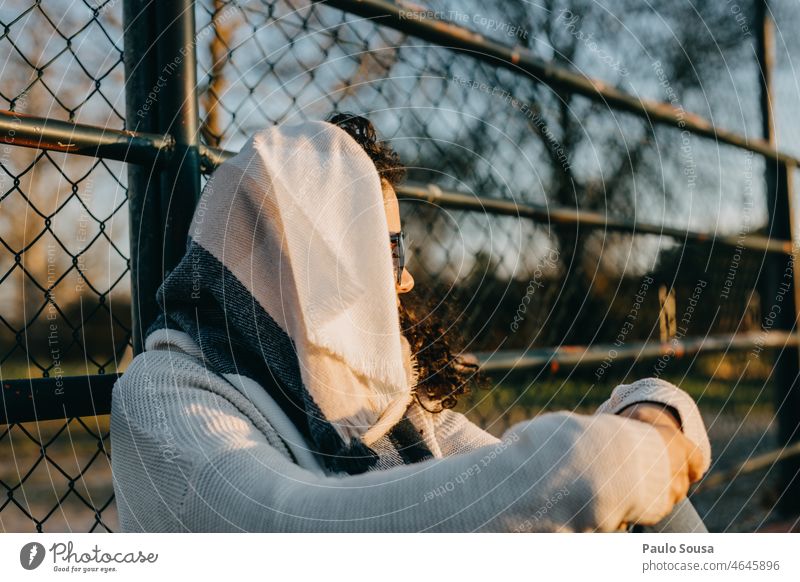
(459, 124)
(64, 281)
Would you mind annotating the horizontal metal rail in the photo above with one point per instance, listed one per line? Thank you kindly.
(597, 353)
(132, 147)
(40, 399)
(572, 216)
(521, 60)
(751, 465)
(143, 148)
(210, 158)
(87, 140)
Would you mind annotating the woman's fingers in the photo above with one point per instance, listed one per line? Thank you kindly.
(678, 449)
(695, 462)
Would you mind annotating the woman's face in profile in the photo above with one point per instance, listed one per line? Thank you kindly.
(444, 377)
(392, 207)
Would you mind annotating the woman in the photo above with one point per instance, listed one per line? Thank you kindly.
(277, 391)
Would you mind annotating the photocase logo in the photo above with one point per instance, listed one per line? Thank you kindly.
(31, 555)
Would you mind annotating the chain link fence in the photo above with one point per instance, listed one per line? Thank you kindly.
(64, 278)
(460, 124)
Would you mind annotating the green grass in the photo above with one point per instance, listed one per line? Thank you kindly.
(510, 401)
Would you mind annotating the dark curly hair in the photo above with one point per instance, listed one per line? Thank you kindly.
(444, 374)
(386, 160)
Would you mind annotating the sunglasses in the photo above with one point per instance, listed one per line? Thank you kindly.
(397, 241)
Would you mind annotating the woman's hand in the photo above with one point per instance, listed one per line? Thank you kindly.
(685, 458)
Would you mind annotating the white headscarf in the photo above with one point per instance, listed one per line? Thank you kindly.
(305, 231)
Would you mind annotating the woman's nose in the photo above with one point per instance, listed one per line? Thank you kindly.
(406, 282)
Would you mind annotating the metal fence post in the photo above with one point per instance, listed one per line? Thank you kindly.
(139, 22)
(160, 91)
(789, 415)
(179, 116)
(779, 282)
(783, 278)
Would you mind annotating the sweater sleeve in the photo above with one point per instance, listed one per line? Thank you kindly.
(558, 472)
(662, 392)
(457, 434)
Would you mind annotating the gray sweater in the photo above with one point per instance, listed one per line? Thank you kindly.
(194, 452)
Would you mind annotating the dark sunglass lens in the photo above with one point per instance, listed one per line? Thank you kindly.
(398, 254)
